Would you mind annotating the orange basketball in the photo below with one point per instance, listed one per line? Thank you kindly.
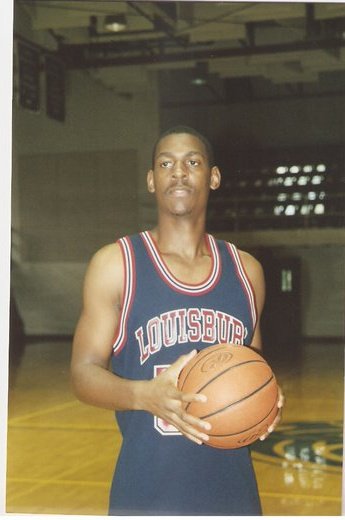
(241, 390)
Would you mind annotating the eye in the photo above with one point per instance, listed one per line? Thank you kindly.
(165, 164)
(193, 162)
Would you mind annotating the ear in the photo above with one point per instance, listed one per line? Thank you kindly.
(215, 178)
(150, 182)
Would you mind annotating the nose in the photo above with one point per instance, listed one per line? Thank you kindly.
(179, 170)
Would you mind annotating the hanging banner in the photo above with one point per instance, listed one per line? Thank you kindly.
(55, 88)
(29, 77)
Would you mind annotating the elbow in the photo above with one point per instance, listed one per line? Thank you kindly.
(75, 388)
(77, 382)
(89, 382)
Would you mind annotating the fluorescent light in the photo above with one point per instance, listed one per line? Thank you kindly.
(198, 81)
(294, 169)
(321, 168)
(282, 169)
(115, 22)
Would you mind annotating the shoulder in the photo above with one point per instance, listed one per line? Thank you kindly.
(250, 263)
(106, 259)
(105, 272)
(255, 273)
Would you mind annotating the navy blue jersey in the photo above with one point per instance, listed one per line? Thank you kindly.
(159, 471)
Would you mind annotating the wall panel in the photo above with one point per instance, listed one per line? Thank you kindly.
(73, 203)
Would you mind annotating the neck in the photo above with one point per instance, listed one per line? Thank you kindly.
(181, 236)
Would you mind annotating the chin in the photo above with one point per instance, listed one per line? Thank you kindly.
(181, 212)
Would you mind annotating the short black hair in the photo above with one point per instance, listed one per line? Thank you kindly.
(182, 129)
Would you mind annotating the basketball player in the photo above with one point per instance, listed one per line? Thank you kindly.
(150, 302)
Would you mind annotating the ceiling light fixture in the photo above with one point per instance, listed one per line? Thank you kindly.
(115, 22)
(200, 74)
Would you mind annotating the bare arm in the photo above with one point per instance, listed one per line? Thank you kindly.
(256, 276)
(93, 382)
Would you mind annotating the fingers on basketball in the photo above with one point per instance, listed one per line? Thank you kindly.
(241, 390)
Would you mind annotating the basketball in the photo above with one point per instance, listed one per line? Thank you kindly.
(242, 394)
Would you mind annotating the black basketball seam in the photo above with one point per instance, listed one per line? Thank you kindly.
(243, 431)
(224, 372)
(230, 368)
(240, 400)
(199, 361)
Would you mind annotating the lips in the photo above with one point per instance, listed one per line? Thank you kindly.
(179, 190)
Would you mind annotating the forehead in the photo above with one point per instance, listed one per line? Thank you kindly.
(180, 143)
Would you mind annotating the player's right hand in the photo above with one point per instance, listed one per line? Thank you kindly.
(166, 401)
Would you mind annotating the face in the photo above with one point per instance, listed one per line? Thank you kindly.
(181, 177)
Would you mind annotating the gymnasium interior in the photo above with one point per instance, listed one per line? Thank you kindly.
(94, 84)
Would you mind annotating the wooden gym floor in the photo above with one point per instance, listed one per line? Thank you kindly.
(61, 453)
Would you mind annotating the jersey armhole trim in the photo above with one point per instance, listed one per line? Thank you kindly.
(120, 336)
(245, 281)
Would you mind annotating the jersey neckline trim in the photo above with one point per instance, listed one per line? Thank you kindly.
(167, 276)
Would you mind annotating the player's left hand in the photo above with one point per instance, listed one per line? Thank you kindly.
(272, 427)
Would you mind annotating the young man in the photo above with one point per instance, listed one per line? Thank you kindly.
(150, 302)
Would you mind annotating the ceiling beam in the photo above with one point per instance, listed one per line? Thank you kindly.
(82, 56)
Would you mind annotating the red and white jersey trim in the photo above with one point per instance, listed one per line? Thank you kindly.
(128, 293)
(171, 280)
(246, 284)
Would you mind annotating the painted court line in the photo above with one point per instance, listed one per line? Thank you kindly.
(45, 411)
(38, 483)
(300, 497)
(55, 481)
(64, 426)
